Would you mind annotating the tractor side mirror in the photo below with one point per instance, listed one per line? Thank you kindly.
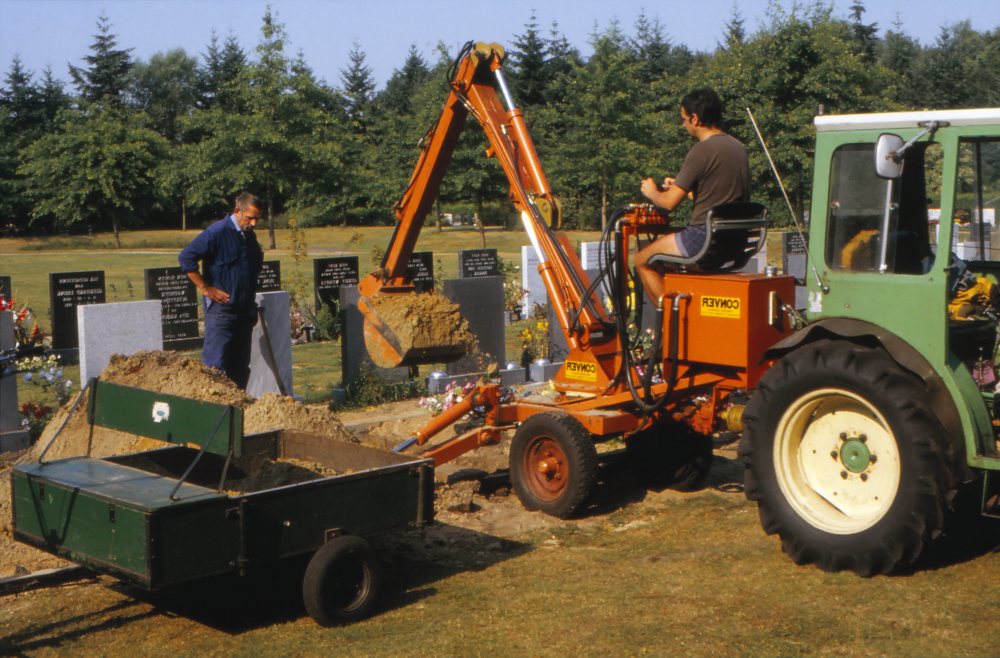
(888, 160)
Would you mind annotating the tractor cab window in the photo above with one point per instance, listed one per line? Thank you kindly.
(977, 191)
(883, 226)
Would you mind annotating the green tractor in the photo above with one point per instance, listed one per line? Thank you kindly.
(874, 413)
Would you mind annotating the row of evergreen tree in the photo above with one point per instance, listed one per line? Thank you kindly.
(169, 141)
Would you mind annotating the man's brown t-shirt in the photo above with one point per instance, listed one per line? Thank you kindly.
(716, 170)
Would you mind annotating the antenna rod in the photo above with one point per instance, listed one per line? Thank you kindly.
(825, 289)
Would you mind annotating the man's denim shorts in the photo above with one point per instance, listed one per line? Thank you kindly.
(690, 240)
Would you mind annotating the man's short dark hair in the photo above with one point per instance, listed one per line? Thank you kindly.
(247, 199)
(706, 104)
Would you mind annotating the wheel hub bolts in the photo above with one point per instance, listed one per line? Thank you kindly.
(548, 466)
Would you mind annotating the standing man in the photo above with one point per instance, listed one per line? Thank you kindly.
(231, 259)
(716, 170)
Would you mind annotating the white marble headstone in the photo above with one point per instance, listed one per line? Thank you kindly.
(122, 328)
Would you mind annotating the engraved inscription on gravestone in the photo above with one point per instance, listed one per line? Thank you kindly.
(179, 297)
(793, 255)
(269, 278)
(477, 262)
(67, 290)
(331, 274)
(422, 264)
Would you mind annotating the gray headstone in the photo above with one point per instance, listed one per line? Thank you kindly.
(539, 373)
(332, 274)
(6, 290)
(179, 305)
(591, 256)
(12, 437)
(478, 262)
(264, 372)
(269, 278)
(353, 352)
(67, 291)
(122, 328)
(422, 265)
(793, 255)
(480, 303)
(532, 281)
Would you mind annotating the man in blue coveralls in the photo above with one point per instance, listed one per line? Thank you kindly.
(231, 259)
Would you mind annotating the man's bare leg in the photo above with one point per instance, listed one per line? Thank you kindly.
(651, 279)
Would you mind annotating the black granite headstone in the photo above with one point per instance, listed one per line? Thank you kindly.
(331, 274)
(67, 290)
(179, 306)
(353, 351)
(6, 291)
(269, 278)
(793, 255)
(480, 303)
(422, 264)
(478, 262)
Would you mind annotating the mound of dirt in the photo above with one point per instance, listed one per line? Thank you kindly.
(166, 372)
(423, 321)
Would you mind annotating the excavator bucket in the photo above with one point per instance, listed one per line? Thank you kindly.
(408, 329)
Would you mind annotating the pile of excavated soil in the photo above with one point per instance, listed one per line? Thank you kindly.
(167, 372)
(424, 320)
(281, 473)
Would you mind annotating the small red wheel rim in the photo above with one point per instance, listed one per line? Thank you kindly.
(546, 470)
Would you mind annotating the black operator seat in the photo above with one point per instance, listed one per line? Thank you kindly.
(734, 233)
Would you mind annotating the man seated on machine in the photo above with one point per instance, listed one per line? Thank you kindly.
(716, 170)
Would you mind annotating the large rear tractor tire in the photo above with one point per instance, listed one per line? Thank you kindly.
(845, 459)
(341, 581)
(553, 463)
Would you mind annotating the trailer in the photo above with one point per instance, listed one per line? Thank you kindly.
(163, 517)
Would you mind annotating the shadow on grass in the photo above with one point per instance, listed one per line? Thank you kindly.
(64, 631)
(271, 593)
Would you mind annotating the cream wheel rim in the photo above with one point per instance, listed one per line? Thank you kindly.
(836, 461)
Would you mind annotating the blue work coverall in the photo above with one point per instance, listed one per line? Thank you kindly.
(230, 261)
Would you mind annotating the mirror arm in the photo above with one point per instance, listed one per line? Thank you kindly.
(929, 128)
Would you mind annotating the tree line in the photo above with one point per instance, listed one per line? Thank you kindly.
(168, 142)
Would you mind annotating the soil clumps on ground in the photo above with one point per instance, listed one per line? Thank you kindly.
(423, 321)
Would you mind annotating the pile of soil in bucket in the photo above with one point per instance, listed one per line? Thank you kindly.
(424, 320)
(167, 372)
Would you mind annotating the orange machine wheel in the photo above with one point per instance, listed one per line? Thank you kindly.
(553, 463)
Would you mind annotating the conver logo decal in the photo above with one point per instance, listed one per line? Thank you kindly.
(720, 307)
(581, 370)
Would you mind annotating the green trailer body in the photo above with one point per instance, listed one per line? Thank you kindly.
(127, 516)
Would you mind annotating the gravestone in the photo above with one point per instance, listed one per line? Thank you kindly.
(120, 328)
(592, 256)
(265, 371)
(354, 356)
(795, 261)
(67, 291)
(478, 262)
(757, 264)
(12, 437)
(179, 307)
(6, 290)
(332, 274)
(480, 303)
(532, 281)
(422, 265)
(269, 278)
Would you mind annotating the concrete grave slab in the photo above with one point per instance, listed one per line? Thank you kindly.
(264, 372)
(480, 302)
(120, 328)
(12, 437)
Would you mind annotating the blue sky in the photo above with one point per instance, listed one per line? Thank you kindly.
(58, 32)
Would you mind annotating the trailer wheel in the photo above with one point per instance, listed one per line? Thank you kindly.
(341, 581)
(846, 461)
(553, 463)
(670, 456)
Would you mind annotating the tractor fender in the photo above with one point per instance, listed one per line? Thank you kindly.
(871, 335)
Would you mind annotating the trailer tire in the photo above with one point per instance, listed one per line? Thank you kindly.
(553, 463)
(341, 581)
(864, 490)
(670, 456)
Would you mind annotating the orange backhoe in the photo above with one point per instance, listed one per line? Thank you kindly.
(711, 327)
